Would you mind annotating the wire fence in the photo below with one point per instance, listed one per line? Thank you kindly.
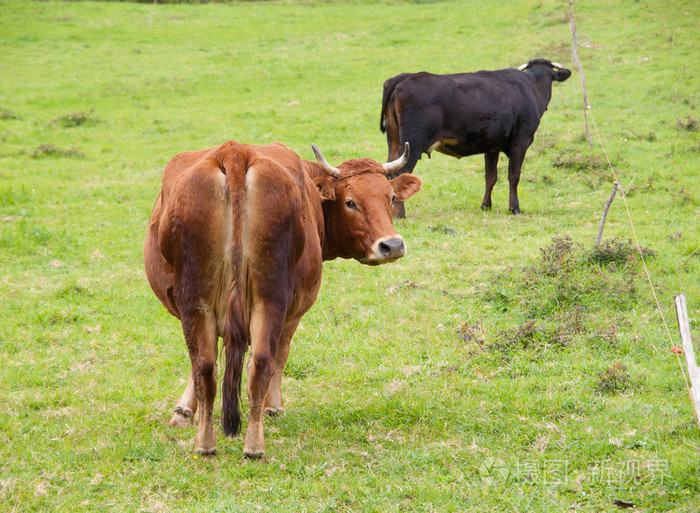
(588, 112)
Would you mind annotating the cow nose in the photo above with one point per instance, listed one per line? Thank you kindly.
(385, 249)
(392, 248)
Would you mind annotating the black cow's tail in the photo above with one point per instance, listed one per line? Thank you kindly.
(233, 162)
(389, 86)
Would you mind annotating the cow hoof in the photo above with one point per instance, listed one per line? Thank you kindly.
(485, 207)
(516, 211)
(181, 418)
(271, 411)
(254, 455)
(205, 452)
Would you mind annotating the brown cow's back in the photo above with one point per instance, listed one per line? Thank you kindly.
(195, 197)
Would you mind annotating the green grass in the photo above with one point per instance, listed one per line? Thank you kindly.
(504, 365)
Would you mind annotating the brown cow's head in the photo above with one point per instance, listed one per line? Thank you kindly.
(357, 208)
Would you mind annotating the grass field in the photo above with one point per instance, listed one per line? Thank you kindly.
(505, 364)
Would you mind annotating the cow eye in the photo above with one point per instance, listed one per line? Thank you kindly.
(350, 204)
(393, 198)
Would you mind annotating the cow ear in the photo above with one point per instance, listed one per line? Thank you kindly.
(406, 186)
(562, 75)
(325, 188)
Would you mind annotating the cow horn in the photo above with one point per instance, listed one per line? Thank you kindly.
(523, 67)
(329, 170)
(400, 162)
(557, 65)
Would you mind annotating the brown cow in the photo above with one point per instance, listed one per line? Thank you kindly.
(234, 249)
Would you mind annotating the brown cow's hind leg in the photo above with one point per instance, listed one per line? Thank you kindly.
(265, 332)
(259, 373)
(274, 404)
(200, 334)
(186, 407)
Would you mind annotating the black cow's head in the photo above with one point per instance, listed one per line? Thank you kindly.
(558, 72)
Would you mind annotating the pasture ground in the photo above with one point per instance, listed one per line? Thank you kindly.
(506, 364)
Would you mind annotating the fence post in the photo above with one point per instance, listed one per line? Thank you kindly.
(689, 352)
(575, 60)
(605, 213)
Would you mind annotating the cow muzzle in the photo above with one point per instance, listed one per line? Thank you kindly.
(386, 249)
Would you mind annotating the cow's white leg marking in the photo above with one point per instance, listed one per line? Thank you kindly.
(274, 404)
(254, 444)
(260, 368)
(186, 407)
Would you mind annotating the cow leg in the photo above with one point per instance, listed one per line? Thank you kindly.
(491, 161)
(200, 334)
(413, 158)
(392, 134)
(274, 403)
(265, 331)
(186, 406)
(399, 210)
(515, 162)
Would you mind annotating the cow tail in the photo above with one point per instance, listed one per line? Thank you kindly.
(389, 86)
(234, 164)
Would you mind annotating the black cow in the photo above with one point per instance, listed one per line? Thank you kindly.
(469, 113)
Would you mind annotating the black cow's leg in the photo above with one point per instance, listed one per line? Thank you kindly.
(399, 210)
(515, 163)
(413, 158)
(491, 161)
